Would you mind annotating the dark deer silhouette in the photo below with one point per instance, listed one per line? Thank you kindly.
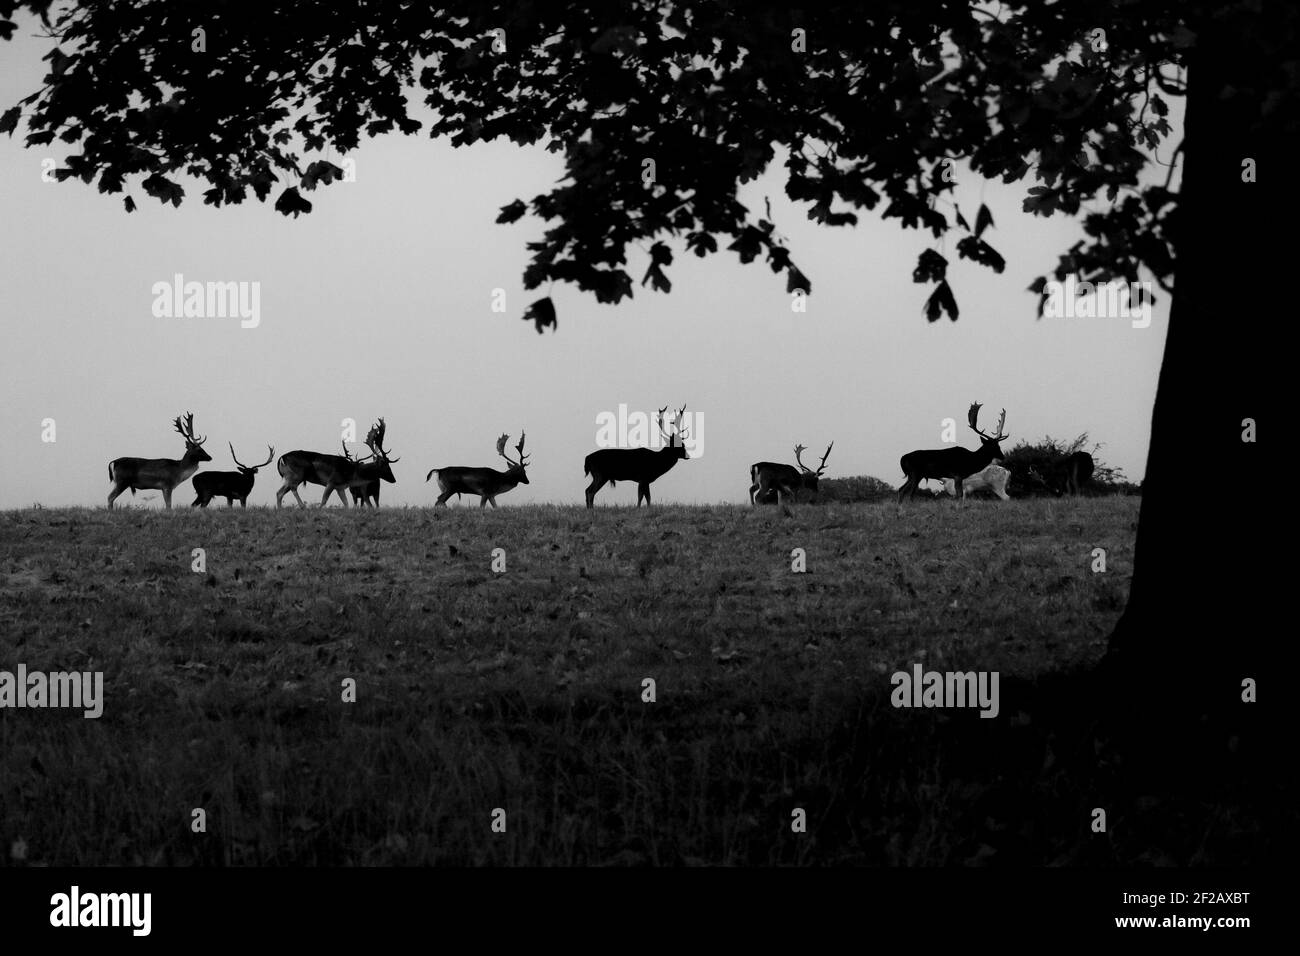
(228, 484)
(771, 478)
(487, 483)
(641, 465)
(954, 463)
(336, 472)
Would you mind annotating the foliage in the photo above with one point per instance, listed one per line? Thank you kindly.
(855, 489)
(1044, 456)
(870, 105)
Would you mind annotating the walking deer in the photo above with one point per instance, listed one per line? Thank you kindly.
(336, 472)
(641, 465)
(487, 483)
(158, 473)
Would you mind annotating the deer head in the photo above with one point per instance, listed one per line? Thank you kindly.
(987, 442)
(252, 469)
(516, 468)
(676, 434)
(193, 446)
(375, 442)
(809, 476)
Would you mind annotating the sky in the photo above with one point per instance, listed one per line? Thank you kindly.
(380, 303)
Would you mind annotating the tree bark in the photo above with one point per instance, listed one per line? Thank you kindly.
(1195, 620)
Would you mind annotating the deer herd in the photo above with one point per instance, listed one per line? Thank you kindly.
(960, 470)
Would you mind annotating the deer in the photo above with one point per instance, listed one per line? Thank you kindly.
(228, 484)
(768, 477)
(641, 465)
(993, 478)
(487, 483)
(336, 472)
(1070, 474)
(159, 473)
(954, 463)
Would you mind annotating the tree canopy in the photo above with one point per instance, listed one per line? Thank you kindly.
(660, 111)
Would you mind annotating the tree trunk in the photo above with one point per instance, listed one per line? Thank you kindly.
(1194, 623)
(1193, 626)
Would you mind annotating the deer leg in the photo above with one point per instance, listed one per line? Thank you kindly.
(243, 502)
(596, 484)
(343, 497)
(167, 497)
(753, 490)
(492, 501)
(643, 489)
(112, 495)
(482, 502)
(442, 499)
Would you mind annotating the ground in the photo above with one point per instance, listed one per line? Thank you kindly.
(523, 689)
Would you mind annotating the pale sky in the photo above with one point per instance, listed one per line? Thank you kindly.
(380, 303)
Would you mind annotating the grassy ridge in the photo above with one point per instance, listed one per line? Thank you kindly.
(522, 690)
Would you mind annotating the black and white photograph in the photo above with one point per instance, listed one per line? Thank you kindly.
(573, 437)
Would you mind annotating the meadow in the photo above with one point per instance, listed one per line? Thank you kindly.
(522, 689)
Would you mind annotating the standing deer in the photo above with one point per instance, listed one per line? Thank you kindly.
(993, 478)
(1070, 474)
(954, 463)
(769, 477)
(336, 472)
(485, 482)
(228, 484)
(641, 465)
(158, 473)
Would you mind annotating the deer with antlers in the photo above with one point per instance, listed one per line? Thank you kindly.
(487, 483)
(770, 479)
(954, 463)
(641, 465)
(336, 472)
(228, 484)
(162, 474)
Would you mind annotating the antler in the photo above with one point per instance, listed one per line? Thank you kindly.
(663, 431)
(822, 467)
(501, 449)
(681, 413)
(972, 417)
(263, 464)
(187, 430)
(375, 441)
(798, 450)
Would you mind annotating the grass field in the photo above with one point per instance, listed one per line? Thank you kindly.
(522, 690)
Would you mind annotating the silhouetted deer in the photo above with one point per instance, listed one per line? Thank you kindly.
(158, 473)
(768, 477)
(336, 472)
(228, 484)
(485, 482)
(954, 463)
(641, 465)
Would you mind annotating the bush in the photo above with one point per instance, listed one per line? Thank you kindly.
(1043, 456)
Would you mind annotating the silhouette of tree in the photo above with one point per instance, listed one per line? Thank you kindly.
(661, 110)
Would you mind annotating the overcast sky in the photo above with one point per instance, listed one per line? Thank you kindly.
(380, 303)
